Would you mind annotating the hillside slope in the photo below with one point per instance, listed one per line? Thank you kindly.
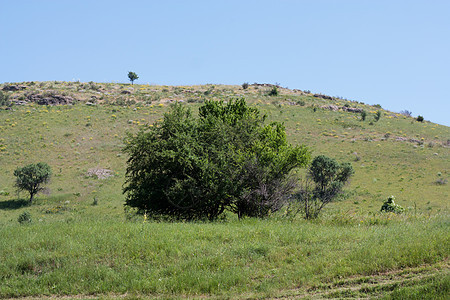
(79, 127)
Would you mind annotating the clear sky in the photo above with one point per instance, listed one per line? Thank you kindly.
(395, 53)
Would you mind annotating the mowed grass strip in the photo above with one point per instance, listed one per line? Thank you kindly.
(229, 258)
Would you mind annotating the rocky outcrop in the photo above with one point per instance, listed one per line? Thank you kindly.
(323, 96)
(99, 173)
(13, 88)
(352, 109)
(43, 99)
(330, 107)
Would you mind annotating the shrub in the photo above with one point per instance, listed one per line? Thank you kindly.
(390, 206)
(420, 118)
(24, 218)
(363, 115)
(273, 91)
(32, 177)
(441, 181)
(377, 116)
(325, 181)
(4, 99)
(406, 113)
(245, 85)
(196, 168)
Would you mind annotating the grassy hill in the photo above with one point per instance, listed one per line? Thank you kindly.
(396, 155)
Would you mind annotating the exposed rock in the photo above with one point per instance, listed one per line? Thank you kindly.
(330, 107)
(265, 85)
(323, 96)
(20, 102)
(13, 88)
(50, 99)
(99, 173)
(125, 92)
(352, 109)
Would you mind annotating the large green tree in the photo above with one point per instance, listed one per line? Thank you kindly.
(196, 168)
(32, 177)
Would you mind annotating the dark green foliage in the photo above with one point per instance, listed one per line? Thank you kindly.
(132, 76)
(420, 118)
(390, 206)
(326, 179)
(377, 116)
(196, 168)
(245, 85)
(31, 178)
(363, 115)
(273, 91)
(4, 99)
(24, 218)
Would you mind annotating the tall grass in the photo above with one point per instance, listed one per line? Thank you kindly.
(229, 258)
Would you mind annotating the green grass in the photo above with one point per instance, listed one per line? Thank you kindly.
(73, 247)
(75, 256)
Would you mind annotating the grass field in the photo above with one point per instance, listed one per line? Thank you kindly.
(73, 247)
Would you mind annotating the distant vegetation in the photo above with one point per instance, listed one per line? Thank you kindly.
(132, 76)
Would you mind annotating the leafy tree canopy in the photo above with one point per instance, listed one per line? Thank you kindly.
(132, 76)
(325, 181)
(196, 168)
(32, 177)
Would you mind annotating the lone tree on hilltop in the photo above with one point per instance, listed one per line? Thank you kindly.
(132, 76)
(31, 178)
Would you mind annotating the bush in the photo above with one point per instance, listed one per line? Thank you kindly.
(406, 113)
(24, 218)
(196, 168)
(4, 99)
(390, 206)
(245, 85)
(325, 181)
(420, 118)
(363, 115)
(377, 116)
(441, 181)
(31, 178)
(273, 91)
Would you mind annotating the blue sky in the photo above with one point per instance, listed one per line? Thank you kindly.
(393, 53)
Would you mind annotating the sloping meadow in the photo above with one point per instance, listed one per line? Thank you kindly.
(81, 240)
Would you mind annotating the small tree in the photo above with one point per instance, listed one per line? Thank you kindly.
(420, 118)
(363, 115)
(377, 116)
(273, 91)
(32, 177)
(132, 76)
(325, 181)
(4, 99)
